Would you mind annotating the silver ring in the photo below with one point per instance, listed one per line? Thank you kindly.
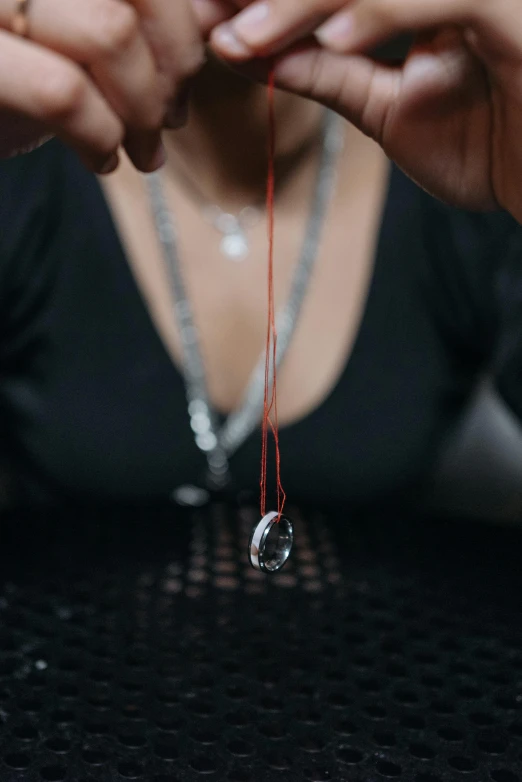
(270, 552)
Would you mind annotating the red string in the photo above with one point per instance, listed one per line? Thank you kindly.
(270, 419)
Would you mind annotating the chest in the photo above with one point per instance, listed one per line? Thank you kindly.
(98, 404)
(229, 299)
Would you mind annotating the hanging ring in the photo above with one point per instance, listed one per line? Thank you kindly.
(20, 20)
(271, 543)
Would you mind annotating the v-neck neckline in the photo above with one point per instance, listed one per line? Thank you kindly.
(386, 218)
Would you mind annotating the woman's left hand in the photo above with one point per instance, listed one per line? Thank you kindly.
(450, 116)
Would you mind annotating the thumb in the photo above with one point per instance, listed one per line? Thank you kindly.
(357, 87)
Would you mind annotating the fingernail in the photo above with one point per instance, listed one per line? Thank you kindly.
(251, 24)
(110, 165)
(159, 158)
(336, 31)
(227, 42)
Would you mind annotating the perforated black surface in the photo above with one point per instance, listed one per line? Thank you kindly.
(146, 648)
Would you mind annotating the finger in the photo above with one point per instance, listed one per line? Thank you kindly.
(363, 91)
(48, 89)
(356, 87)
(210, 13)
(371, 22)
(267, 26)
(105, 37)
(172, 31)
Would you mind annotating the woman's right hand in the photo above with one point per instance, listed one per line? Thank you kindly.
(98, 74)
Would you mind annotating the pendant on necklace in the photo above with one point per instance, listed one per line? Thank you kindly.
(235, 246)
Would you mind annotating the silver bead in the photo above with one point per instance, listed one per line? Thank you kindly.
(200, 423)
(206, 441)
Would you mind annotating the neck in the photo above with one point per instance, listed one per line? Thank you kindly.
(223, 146)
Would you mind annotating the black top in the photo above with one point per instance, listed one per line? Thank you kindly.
(93, 407)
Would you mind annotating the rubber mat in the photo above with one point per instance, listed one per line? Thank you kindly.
(142, 646)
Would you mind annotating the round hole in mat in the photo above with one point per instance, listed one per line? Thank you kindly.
(426, 658)
(492, 746)
(240, 775)
(335, 676)
(413, 721)
(349, 755)
(433, 682)
(203, 764)
(31, 705)
(204, 735)
(385, 739)
(345, 727)
(503, 775)
(312, 743)
(239, 719)
(318, 774)
(507, 702)
(397, 670)
(442, 707)
(132, 740)
(463, 764)
(8, 666)
(367, 685)
(133, 714)
(236, 692)
(70, 665)
(338, 700)
(498, 678)
(166, 751)
(36, 680)
(515, 729)
(130, 770)
(25, 732)
(99, 700)
(240, 748)
(482, 719)
(469, 692)
(273, 730)
(448, 733)
(97, 728)
(94, 757)
(66, 690)
(53, 773)
(58, 744)
(388, 769)
(422, 751)
(132, 687)
(362, 661)
(231, 666)
(376, 712)
(406, 697)
(169, 724)
(278, 761)
(309, 716)
(17, 760)
(63, 716)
